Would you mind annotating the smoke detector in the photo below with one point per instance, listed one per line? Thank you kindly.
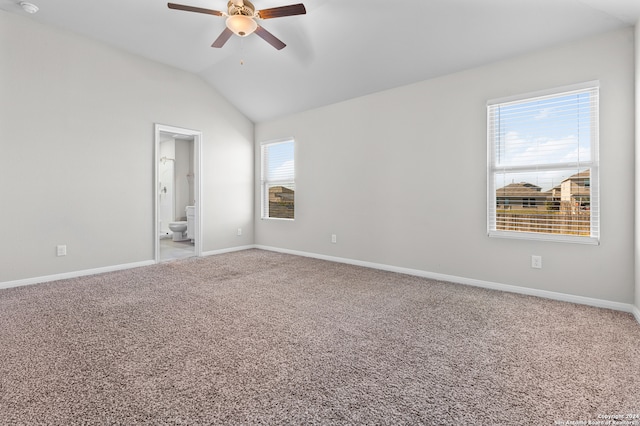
(29, 7)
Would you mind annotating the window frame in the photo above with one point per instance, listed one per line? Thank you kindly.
(592, 165)
(265, 183)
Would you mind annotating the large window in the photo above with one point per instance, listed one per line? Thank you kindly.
(278, 184)
(543, 165)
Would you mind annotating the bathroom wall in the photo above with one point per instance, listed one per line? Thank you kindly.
(166, 204)
(183, 177)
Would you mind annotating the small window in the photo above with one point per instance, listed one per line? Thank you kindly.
(278, 184)
(543, 165)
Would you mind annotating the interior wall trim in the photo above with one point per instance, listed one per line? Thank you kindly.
(228, 250)
(599, 303)
(74, 274)
(81, 273)
(563, 297)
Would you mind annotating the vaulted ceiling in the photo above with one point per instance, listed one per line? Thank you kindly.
(340, 49)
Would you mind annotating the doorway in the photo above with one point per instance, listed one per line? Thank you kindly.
(177, 193)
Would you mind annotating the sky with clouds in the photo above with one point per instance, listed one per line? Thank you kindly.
(552, 131)
(280, 162)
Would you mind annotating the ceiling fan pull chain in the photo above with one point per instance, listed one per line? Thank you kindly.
(241, 50)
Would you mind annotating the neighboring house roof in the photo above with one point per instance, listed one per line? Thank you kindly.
(555, 190)
(585, 174)
(521, 190)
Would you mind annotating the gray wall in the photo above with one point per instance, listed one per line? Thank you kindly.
(400, 176)
(77, 127)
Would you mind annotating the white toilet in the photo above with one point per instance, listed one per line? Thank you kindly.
(179, 230)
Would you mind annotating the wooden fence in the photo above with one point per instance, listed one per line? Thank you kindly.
(281, 209)
(548, 223)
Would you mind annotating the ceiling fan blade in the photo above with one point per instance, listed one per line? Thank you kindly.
(269, 38)
(279, 12)
(222, 38)
(194, 9)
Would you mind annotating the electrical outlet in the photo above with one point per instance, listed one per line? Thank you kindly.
(536, 262)
(239, 231)
(61, 250)
(334, 239)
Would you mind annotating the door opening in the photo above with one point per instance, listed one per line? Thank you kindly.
(177, 213)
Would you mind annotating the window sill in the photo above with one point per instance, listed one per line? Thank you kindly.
(574, 239)
(285, 219)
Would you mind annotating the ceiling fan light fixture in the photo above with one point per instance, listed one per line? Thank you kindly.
(29, 7)
(241, 25)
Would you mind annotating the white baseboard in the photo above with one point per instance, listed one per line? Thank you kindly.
(227, 250)
(624, 307)
(74, 274)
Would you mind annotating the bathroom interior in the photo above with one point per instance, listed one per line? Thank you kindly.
(176, 196)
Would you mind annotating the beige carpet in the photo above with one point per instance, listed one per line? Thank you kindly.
(255, 337)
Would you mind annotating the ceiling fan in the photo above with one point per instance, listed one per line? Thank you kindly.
(241, 19)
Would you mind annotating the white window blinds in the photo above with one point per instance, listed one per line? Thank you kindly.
(543, 166)
(278, 180)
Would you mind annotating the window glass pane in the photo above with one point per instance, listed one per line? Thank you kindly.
(281, 201)
(278, 184)
(280, 162)
(552, 202)
(545, 131)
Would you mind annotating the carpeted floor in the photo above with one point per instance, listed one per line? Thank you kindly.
(256, 337)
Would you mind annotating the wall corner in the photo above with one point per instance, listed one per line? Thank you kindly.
(637, 172)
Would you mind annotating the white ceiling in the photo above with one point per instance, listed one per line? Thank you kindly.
(340, 49)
